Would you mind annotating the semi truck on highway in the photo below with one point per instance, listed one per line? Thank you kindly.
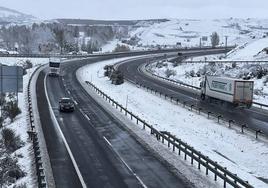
(235, 91)
(54, 66)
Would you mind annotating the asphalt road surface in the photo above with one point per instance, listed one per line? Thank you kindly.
(105, 153)
(254, 118)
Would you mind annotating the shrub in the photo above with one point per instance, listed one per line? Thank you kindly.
(170, 72)
(28, 64)
(121, 48)
(192, 73)
(265, 81)
(215, 39)
(10, 170)
(10, 140)
(12, 110)
(234, 65)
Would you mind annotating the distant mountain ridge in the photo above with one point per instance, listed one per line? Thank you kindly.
(8, 15)
(106, 22)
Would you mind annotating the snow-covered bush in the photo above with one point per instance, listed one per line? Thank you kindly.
(11, 110)
(170, 72)
(161, 64)
(10, 140)
(10, 171)
(265, 81)
(121, 48)
(234, 65)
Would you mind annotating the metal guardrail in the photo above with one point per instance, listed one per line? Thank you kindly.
(41, 177)
(226, 61)
(181, 147)
(209, 114)
(191, 86)
(139, 52)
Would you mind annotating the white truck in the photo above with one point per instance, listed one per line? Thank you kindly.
(54, 66)
(236, 91)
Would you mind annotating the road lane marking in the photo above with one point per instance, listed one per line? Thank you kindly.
(54, 119)
(122, 160)
(76, 103)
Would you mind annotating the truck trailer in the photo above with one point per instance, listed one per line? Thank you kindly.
(54, 66)
(236, 91)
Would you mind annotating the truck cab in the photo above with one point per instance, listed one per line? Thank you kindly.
(54, 66)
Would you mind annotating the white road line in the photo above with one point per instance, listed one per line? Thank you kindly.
(87, 117)
(122, 160)
(76, 103)
(55, 122)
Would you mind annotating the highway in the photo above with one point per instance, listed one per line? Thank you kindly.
(106, 154)
(254, 117)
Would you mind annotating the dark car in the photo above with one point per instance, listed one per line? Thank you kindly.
(66, 105)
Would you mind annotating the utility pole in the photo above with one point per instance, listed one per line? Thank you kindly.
(226, 39)
(200, 43)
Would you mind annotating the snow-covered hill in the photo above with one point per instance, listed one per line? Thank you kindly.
(189, 32)
(12, 16)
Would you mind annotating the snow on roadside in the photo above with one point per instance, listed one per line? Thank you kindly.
(20, 60)
(239, 153)
(20, 124)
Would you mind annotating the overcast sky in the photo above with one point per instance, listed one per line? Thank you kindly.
(140, 9)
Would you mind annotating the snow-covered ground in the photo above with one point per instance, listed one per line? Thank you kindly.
(240, 153)
(20, 125)
(191, 73)
(188, 32)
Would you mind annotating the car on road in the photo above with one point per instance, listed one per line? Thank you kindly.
(66, 105)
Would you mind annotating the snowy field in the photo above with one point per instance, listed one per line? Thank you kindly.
(20, 124)
(190, 73)
(240, 153)
(187, 32)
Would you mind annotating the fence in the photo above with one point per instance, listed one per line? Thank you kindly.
(193, 87)
(41, 178)
(219, 117)
(181, 147)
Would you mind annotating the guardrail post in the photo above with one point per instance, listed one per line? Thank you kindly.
(185, 154)
(179, 149)
(206, 165)
(199, 159)
(178, 101)
(230, 121)
(171, 98)
(143, 126)
(192, 159)
(257, 132)
(209, 114)
(219, 116)
(224, 179)
(199, 110)
(215, 175)
(184, 103)
(192, 107)
(242, 127)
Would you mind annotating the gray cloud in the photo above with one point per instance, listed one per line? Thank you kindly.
(138, 9)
